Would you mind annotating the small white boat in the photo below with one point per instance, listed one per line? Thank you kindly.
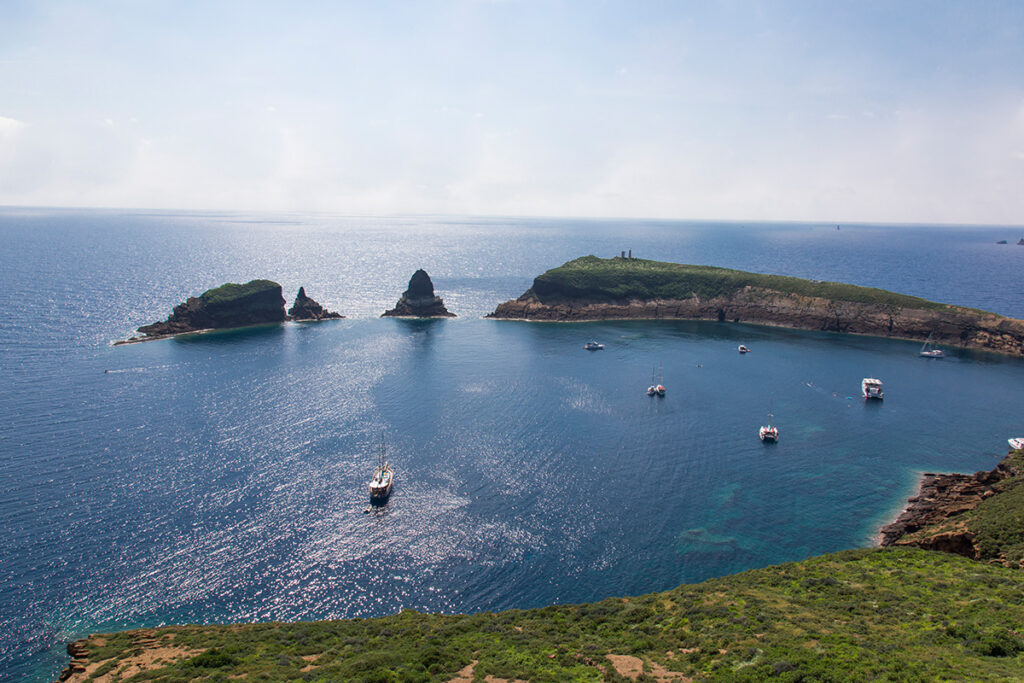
(743, 349)
(769, 433)
(593, 346)
(928, 352)
(871, 388)
(1017, 443)
(380, 485)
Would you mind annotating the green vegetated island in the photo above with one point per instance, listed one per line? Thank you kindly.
(257, 302)
(592, 288)
(261, 302)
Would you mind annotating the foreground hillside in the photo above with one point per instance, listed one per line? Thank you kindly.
(880, 614)
(592, 288)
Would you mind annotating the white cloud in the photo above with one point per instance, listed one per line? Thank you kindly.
(711, 112)
(10, 126)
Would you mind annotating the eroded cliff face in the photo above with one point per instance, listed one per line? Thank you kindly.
(257, 302)
(935, 511)
(951, 325)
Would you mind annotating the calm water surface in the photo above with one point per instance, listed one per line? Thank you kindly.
(222, 477)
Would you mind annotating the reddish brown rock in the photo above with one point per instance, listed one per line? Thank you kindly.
(943, 497)
(951, 325)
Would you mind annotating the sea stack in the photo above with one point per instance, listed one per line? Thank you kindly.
(305, 308)
(254, 303)
(419, 301)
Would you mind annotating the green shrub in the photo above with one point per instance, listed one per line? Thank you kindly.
(590, 278)
(212, 659)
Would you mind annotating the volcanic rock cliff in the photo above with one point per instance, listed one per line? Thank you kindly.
(230, 305)
(590, 288)
(305, 308)
(419, 300)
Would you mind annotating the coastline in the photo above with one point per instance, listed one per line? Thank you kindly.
(898, 510)
(208, 330)
(590, 288)
(769, 324)
(940, 498)
(158, 337)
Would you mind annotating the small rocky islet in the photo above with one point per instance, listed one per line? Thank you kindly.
(419, 300)
(261, 302)
(257, 302)
(305, 308)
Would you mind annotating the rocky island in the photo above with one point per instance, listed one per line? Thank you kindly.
(592, 288)
(306, 308)
(257, 302)
(419, 300)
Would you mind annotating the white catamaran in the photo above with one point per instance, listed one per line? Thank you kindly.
(769, 433)
(871, 388)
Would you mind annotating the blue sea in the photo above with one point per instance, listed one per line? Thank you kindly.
(223, 477)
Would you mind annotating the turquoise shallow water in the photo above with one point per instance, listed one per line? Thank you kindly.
(223, 477)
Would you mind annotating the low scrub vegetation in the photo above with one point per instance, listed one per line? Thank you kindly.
(881, 614)
(590, 278)
(231, 291)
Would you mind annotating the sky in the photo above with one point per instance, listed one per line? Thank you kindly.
(866, 111)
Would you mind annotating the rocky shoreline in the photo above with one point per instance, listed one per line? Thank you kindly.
(941, 498)
(949, 325)
(954, 326)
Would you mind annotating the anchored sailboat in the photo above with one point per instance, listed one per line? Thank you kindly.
(927, 351)
(380, 485)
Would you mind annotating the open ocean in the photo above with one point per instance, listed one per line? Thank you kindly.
(222, 477)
